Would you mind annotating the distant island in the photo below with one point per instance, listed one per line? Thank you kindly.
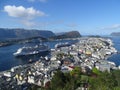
(115, 34)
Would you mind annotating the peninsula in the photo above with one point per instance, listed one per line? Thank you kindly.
(87, 53)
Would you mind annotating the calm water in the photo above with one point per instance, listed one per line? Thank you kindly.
(7, 60)
(116, 57)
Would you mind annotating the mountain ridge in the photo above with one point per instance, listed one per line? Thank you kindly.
(20, 33)
(115, 34)
(70, 34)
(6, 33)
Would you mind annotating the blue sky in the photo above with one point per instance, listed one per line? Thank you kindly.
(86, 16)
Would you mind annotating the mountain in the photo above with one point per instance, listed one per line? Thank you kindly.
(23, 33)
(60, 33)
(71, 34)
(115, 34)
(18, 33)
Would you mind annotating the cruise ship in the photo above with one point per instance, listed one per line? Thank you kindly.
(31, 50)
(59, 45)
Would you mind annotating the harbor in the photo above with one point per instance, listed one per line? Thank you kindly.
(7, 59)
(87, 53)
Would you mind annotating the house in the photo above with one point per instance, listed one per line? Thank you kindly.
(88, 52)
(103, 67)
(67, 61)
(7, 74)
(95, 55)
(73, 53)
(31, 79)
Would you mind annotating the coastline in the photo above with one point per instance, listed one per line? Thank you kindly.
(84, 53)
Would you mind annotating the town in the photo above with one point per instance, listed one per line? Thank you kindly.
(87, 53)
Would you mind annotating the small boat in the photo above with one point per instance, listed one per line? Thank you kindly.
(31, 50)
(30, 61)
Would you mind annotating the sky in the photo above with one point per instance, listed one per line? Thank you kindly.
(89, 17)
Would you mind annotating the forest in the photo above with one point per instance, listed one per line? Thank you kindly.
(77, 80)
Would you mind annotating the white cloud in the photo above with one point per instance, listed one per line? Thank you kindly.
(22, 12)
(25, 15)
(115, 26)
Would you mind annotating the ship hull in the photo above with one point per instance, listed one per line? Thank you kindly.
(42, 53)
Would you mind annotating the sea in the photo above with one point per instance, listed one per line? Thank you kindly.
(115, 57)
(8, 60)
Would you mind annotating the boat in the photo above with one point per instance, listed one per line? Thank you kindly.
(31, 50)
(59, 45)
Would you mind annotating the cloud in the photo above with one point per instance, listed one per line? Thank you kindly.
(25, 15)
(115, 26)
(22, 12)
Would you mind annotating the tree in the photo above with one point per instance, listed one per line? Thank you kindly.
(96, 71)
(116, 74)
(58, 81)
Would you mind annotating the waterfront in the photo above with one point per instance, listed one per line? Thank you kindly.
(87, 54)
(116, 57)
(7, 60)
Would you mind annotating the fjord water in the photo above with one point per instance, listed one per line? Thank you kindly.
(116, 57)
(7, 60)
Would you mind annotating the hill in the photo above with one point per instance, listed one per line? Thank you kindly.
(23, 33)
(115, 34)
(71, 34)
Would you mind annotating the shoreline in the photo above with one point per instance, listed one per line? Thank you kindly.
(87, 52)
(106, 58)
(79, 39)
